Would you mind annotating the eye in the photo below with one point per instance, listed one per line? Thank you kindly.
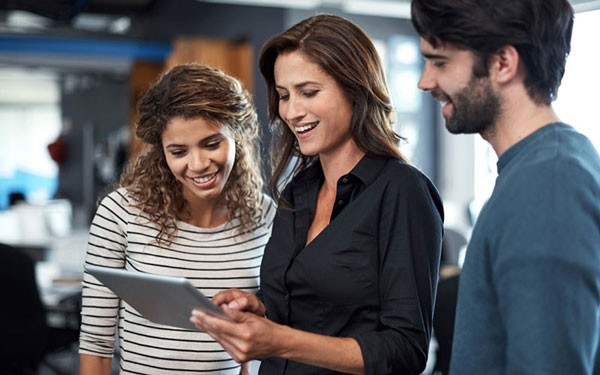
(213, 144)
(439, 63)
(311, 93)
(177, 153)
(283, 96)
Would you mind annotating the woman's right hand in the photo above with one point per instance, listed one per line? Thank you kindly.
(236, 299)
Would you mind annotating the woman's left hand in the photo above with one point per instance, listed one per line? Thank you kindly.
(245, 337)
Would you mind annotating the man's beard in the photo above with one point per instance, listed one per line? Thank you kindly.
(476, 108)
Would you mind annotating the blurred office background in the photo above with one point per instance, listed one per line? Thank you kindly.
(71, 72)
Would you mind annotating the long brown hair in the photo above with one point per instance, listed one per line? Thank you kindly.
(192, 91)
(345, 52)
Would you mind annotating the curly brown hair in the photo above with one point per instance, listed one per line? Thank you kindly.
(194, 91)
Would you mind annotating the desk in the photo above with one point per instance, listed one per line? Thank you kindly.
(60, 293)
(63, 305)
(59, 278)
(36, 251)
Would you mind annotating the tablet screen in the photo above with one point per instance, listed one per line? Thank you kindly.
(161, 299)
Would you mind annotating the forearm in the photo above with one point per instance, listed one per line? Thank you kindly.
(94, 365)
(335, 353)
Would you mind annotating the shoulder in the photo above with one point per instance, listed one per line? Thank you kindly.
(552, 191)
(121, 196)
(401, 167)
(577, 159)
(406, 185)
(564, 164)
(268, 208)
(404, 176)
(266, 201)
(559, 148)
(119, 202)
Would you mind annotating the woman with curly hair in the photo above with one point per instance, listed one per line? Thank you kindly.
(190, 205)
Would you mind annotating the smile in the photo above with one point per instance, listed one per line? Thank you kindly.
(204, 179)
(440, 97)
(305, 128)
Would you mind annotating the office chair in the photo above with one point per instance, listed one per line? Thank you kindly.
(26, 337)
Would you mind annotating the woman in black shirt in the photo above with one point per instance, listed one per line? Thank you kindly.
(348, 278)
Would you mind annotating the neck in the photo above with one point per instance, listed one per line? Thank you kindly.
(339, 163)
(206, 214)
(520, 117)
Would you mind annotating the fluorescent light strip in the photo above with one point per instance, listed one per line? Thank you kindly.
(395, 9)
(587, 6)
(304, 4)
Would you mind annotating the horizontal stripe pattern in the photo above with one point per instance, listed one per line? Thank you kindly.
(213, 259)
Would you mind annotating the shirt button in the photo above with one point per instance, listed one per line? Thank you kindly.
(340, 202)
(345, 180)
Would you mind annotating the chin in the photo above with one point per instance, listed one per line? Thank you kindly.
(210, 196)
(308, 152)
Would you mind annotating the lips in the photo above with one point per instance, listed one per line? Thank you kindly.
(305, 128)
(204, 179)
(447, 109)
(440, 96)
(445, 101)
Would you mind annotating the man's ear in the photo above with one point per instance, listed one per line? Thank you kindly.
(505, 63)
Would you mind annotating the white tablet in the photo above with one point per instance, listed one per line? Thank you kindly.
(161, 299)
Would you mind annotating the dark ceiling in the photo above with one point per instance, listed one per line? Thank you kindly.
(66, 10)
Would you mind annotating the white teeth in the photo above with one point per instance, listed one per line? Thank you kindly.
(305, 128)
(201, 180)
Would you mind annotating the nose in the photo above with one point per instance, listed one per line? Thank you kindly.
(292, 110)
(198, 161)
(426, 81)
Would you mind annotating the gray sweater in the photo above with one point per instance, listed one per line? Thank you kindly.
(529, 295)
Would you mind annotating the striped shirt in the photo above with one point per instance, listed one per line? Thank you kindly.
(213, 259)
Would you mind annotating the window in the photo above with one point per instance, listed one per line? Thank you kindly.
(30, 120)
(578, 97)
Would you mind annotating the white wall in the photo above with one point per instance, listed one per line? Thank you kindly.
(456, 171)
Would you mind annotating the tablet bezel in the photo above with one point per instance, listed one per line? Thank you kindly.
(161, 299)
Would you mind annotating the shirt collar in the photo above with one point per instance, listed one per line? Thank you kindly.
(523, 144)
(368, 168)
(366, 171)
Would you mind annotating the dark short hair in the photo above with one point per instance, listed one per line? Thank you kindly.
(345, 52)
(540, 30)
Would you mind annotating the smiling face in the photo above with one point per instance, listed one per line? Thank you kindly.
(201, 155)
(313, 106)
(469, 103)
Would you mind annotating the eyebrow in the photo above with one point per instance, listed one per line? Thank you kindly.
(430, 55)
(210, 138)
(173, 145)
(299, 85)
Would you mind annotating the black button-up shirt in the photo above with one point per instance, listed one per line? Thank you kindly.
(371, 274)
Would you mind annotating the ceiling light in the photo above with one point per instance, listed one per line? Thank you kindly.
(92, 22)
(25, 20)
(585, 6)
(379, 8)
(120, 26)
(304, 4)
